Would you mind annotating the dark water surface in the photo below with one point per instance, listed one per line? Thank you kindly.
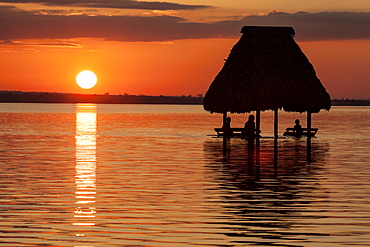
(151, 175)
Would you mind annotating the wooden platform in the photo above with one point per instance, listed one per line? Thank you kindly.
(235, 131)
(290, 132)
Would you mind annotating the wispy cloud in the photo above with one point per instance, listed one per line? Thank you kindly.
(16, 24)
(9, 42)
(117, 4)
(52, 43)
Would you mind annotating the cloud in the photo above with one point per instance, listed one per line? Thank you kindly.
(16, 24)
(56, 44)
(117, 4)
(65, 12)
(319, 26)
(53, 43)
(8, 42)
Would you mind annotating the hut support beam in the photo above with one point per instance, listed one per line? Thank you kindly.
(276, 118)
(258, 130)
(309, 120)
(224, 116)
(258, 125)
(276, 168)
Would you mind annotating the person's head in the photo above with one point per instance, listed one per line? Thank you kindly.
(297, 121)
(251, 118)
(228, 119)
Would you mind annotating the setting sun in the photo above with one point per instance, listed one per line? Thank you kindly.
(86, 79)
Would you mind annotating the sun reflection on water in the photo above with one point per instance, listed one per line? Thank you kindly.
(85, 165)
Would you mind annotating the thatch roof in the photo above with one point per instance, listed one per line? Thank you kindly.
(266, 70)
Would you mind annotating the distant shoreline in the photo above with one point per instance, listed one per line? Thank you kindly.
(45, 97)
(348, 102)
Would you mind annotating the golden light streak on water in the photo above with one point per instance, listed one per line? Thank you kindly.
(85, 178)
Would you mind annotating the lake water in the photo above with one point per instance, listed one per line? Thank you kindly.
(155, 175)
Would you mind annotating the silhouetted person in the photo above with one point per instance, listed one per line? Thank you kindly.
(297, 128)
(249, 131)
(227, 127)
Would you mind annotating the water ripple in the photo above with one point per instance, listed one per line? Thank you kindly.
(112, 179)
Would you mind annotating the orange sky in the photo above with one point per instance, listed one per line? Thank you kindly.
(171, 49)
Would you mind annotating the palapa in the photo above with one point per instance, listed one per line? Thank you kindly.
(266, 70)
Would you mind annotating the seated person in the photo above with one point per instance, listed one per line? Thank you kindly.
(249, 131)
(297, 128)
(226, 127)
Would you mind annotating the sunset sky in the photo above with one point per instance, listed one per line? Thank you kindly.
(173, 47)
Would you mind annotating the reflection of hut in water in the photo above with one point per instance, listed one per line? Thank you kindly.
(234, 157)
(260, 203)
(266, 70)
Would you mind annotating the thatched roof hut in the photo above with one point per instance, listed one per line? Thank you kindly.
(266, 70)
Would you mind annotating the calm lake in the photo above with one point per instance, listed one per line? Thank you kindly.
(156, 175)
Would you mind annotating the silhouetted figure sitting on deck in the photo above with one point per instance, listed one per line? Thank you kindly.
(249, 128)
(227, 127)
(297, 128)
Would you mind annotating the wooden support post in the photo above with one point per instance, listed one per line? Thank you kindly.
(257, 165)
(276, 168)
(224, 148)
(309, 120)
(276, 120)
(224, 118)
(258, 125)
(258, 130)
(276, 125)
